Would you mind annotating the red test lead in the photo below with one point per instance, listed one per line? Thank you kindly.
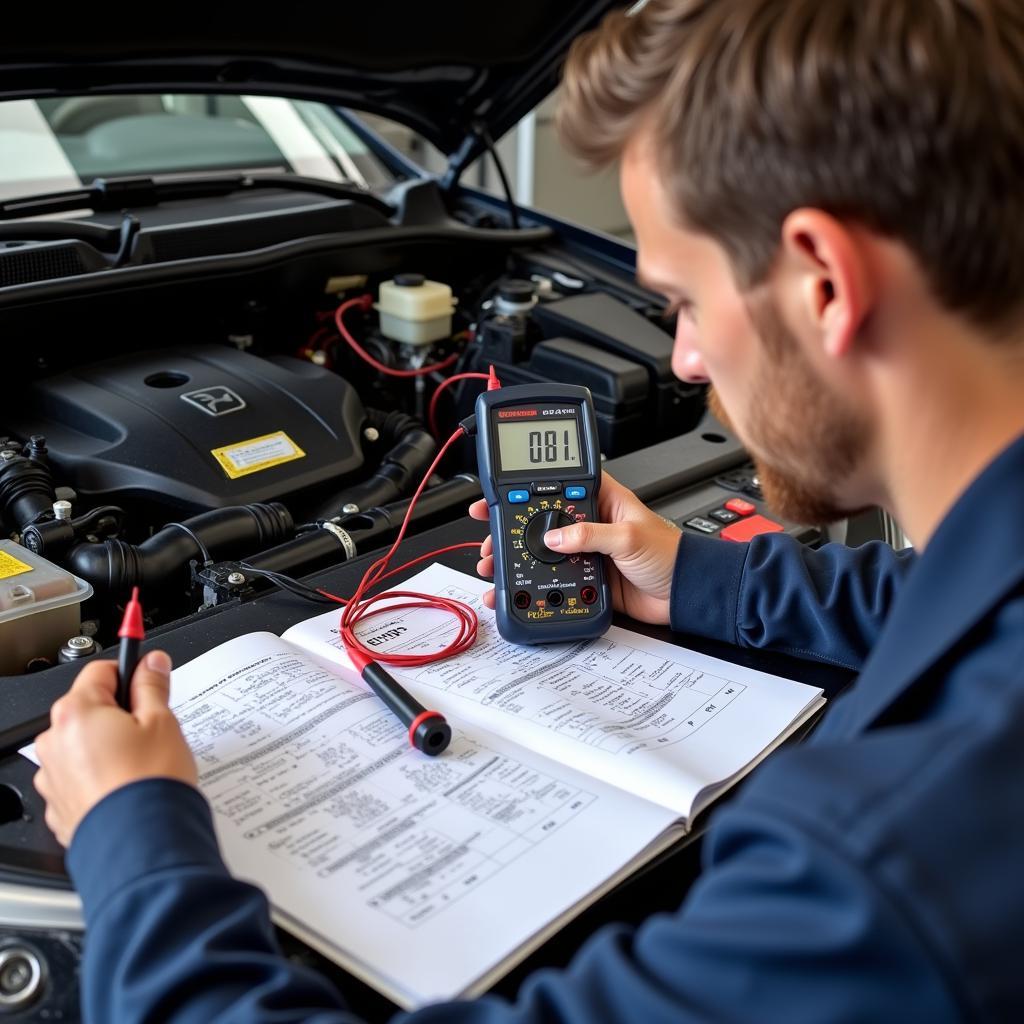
(132, 633)
(428, 730)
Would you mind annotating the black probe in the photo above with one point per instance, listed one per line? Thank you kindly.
(428, 730)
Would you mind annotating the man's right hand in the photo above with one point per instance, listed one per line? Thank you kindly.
(93, 747)
(641, 545)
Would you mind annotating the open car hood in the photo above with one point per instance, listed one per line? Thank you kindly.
(448, 70)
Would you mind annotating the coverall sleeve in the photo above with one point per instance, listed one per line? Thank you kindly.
(774, 593)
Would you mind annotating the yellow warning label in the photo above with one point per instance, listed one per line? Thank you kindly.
(256, 454)
(11, 566)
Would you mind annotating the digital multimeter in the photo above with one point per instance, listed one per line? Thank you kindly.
(540, 468)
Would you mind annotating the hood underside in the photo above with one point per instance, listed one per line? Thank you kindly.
(447, 70)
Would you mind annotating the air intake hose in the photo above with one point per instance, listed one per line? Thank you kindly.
(26, 490)
(115, 566)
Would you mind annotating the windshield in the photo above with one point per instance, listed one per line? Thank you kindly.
(50, 145)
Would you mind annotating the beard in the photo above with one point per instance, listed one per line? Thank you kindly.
(805, 438)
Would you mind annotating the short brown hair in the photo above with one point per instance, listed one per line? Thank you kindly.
(904, 115)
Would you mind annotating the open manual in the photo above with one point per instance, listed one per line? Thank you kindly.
(569, 767)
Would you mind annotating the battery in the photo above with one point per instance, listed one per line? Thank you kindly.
(40, 607)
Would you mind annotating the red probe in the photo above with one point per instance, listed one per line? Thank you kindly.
(132, 633)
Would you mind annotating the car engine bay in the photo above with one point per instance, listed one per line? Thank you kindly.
(194, 427)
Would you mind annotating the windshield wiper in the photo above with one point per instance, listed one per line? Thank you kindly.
(106, 195)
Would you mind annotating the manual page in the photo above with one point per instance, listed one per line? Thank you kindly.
(664, 722)
(420, 875)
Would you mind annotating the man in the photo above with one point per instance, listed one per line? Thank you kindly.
(832, 197)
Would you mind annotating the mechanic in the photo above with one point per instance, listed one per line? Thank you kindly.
(831, 195)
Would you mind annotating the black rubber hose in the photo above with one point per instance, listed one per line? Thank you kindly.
(26, 491)
(412, 450)
(392, 425)
(362, 532)
(114, 566)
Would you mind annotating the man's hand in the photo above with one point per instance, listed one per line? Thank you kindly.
(642, 547)
(93, 747)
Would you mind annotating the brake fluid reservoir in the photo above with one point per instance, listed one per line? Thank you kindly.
(40, 607)
(415, 311)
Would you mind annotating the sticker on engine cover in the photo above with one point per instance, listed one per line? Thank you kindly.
(11, 566)
(257, 454)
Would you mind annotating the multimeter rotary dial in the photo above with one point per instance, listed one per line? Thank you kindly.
(538, 525)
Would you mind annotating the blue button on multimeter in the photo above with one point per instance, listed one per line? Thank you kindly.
(518, 497)
(575, 493)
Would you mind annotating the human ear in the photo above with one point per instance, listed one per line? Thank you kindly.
(827, 264)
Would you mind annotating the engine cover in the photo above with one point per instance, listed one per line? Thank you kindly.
(194, 428)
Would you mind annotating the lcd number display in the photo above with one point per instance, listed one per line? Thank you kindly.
(539, 444)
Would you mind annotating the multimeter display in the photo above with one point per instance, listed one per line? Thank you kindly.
(540, 468)
(553, 444)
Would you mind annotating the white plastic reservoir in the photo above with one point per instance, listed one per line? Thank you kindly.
(415, 311)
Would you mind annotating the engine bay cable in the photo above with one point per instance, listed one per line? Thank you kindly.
(510, 202)
(287, 583)
(196, 539)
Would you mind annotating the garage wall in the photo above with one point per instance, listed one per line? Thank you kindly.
(563, 188)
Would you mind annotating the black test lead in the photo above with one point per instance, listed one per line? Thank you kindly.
(428, 730)
(131, 633)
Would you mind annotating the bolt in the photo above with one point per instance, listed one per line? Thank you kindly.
(349, 508)
(20, 978)
(236, 579)
(371, 434)
(80, 646)
(62, 509)
(16, 977)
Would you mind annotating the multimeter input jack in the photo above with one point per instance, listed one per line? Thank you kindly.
(555, 598)
(522, 599)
